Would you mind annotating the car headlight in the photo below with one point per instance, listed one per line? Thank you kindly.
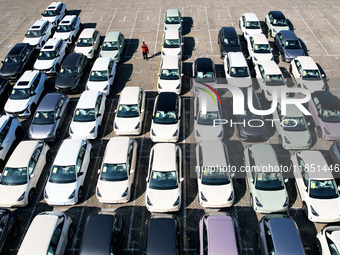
(152, 132)
(286, 140)
(258, 202)
(197, 133)
(268, 93)
(89, 52)
(148, 201)
(159, 86)
(163, 53)
(231, 196)
(220, 134)
(115, 125)
(21, 197)
(72, 195)
(326, 131)
(313, 211)
(98, 193)
(175, 134)
(93, 129)
(106, 87)
(137, 126)
(179, 85)
(71, 131)
(177, 202)
(45, 194)
(310, 139)
(125, 192)
(286, 202)
(117, 55)
(203, 197)
(255, 58)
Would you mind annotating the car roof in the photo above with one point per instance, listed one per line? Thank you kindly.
(112, 36)
(171, 34)
(172, 12)
(71, 60)
(277, 14)
(167, 101)
(170, 62)
(17, 49)
(101, 63)
(293, 111)
(259, 39)
(68, 19)
(25, 81)
(22, 154)
(289, 35)
(87, 33)
(68, 152)
(270, 67)
(264, 154)
(307, 62)
(49, 101)
(38, 24)
(129, 95)
(204, 64)
(237, 59)
(164, 158)
(230, 32)
(250, 16)
(51, 44)
(207, 102)
(327, 100)
(88, 99)
(213, 153)
(53, 5)
(116, 150)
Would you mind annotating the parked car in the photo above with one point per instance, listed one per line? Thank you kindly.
(113, 46)
(116, 175)
(54, 13)
(130, 111)
(228, 41)
(215, 185)
(68, 29)
(10, 229)
(172, 43)
(170, 75)
(49, 117)
(203, 71)
(325, 110)
(250, 25)
(173, 20)
(289, 45)
(10, 131)
(327, 240)
(259, 49)
(39, 33)
(164, 178)
(26, 94)
(334, 152)
(67, 175)
(88, 42)
(276, 22)
(17, 61)
(236, 70)
(21, 174)
(48, 233)
(267, 189)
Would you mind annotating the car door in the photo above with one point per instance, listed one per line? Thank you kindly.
(302, 182)
(280, 42)
(268, 241)
(112, 72)
(36, 165)
(121, 48)
(96, 40)
(130, 164)
(101, 106)
(251, 46)
(296, 69)
(81, 166)
(141, 103)
(179, 168)
(7, 136)
(60, 111)
(56, 245)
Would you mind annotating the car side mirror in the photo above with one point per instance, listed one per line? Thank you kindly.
(32, 176)
(338, 188)
(58, 117)
(233, 175)
(2, 61)
(132, 171)
(80, 174)
(182, 43)
(142, 110)
(1, 148)
(115, 111)
(253, 180)
(181, 179)
(147, 179)
(110, 76)
(33, 94)
(323, 75)
(99, 114)
(305, 188)
(98, 171)
(182, 74)
(286, 180)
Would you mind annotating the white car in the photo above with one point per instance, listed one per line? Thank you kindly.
(130, 111)
(276, 22)
(328, 240)
(88, 115)
(48, 234)
(164, 180)
(307, 74)
(88, 42)
(26, 93)
(250, 25)
(259, 48)
(54, 13)
(236, 70)
(39, 33)
(10, 131)
(68, 29)
(117, 171)
(22, 172)
(207, 109)
(50, 56)
(317, 187)
(66, 179)
(215, 185)
(173, 20)
(172, 43)
(170, 75)
(166, 118)
(102, 75)
(270, 78)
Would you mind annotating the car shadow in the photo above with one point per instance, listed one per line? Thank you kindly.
(73, 12)
(123, 75)
(187, 24)
(304, 47)
(88, 25)
(264, 28)
(131, 46)
(290, 25)
(186, 79)
(188, 47)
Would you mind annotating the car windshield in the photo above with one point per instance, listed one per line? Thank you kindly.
(205, 76)
(274, 80)
(18, 94)
(269, 181)
(311, 74)
(84, 42)
(331, 115)
(163, 180)
(33, 33)
(63, 174)
(98, 76)
(215, 177)
(12, 60)
(294, 124)
(49, 13)
(239, 72)
(114, 172)
(323, 189)
(262, 48)
(207, 118)
(169, 74)
(64, 28)
(14, 176)
(292, 44)
(280, 22)
(47, 55)
(253, 25)
(128, 111)
(171, 43)
(44, 118)
(68, 71)
(172, 20)
(162, 117)
(84, 115)
(107, 46)
(231, 42)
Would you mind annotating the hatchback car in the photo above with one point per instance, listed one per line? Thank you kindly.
(236, 70)
(26, 94)
(334, 152)
(17, 61)
(172, 44)
(66, 179)
(325, 110)
(173, 20)
(49, 117)
(276, 22)
(215, 186)
(21, 174)
(289, 45)
(259, 48)
(250, 25)
(88, 115)
(130, 111)
(166, 118)
(170, 75)
(317, 187)
(48, 233)
(327, 240)
(10, 229)
(10, 131)
(266, 185)
(228, 41)
(102, 75)
(54, 13)
(218, 234)
(68, 29)
(164, 178)
(117, 170)
(88, 42)
(39, 33)
(275, 231)
(203, 71)
(113, 46)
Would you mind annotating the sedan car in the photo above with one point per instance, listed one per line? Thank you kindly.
(54, 13)
(117, 170)
(71, 73)
(173, 20)
(21, 174)
(39, 33)
(66, 179)
(10, 229)
(113, 46)
(289, 45)
(88, 42)
(68, 29)
(88, 115)
(228, 41)
(166, 118)
(164, 178)
(26, 94)
(203, 72)
(17, 61)
(327, 240)
(236, 70)
(130, 111)
(48, 233)
(276, 22)
(317, 187)
(170, 75)
(250, 25)
(334, 152)
(325, 110)
(172, 44)
(268, 193)
(10, 131)
(49, 117)
(259, 48)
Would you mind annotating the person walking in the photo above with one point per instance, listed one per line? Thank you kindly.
(145, 50)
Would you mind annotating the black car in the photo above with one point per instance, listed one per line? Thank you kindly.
(103, 234)
(9, 229)
(5, 89)
(228, 40)
(162, 236)
(251, 127)
(16, 61)
(71, 72)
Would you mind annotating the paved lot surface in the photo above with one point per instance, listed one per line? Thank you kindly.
(316, 24)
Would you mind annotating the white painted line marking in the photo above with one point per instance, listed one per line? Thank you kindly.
(206, 16)
(113, 16)
(159, 20)
(232, 23)
(132, 30)
(328, 21)
(91, 15)
(184, 186)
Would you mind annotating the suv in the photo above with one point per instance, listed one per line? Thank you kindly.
(88, 42)
(250, 25)
(68, 29)
(172, 43)
(54, 13)
(39, 33)
(113, 46)
(236, 70)
(173, 20)
(228, 41)
(276, 22)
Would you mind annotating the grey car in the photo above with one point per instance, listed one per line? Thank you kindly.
(289, 45)
(48, 118)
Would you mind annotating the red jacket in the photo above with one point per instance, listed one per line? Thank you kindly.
(145, 48)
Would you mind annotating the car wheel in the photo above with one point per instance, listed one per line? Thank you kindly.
(31, 195)
(305, 209)
(48, 156)
(91, 154)
(318, 247)
(70, 232)
(57, 68)
(58, 134)
(283, 58)
(319, 132)
(18, 133)
(251, 201)
(80, 193)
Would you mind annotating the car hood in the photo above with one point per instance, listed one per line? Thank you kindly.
(64, 35)
(327, 208)
(169, 84)
(280, 28)
(67, 82)
(298, 138)
(82, 128)
(8, 70)
(312, 85)
(252, 131)
(97, 85)
(32, 41)
(112, 190)
(172, 51)
(41, 131)
(271, 199)
(241, 82)
(216, 194)
(126, 124)
(293, 53)
(10, 194)
(172, 26)
(59, 192)
(164, 131)
(16, 105)
(43, 64)
(253, 31)
(263, 56)
(83, 50)
(163, 199)
(108, 53)
(209, 132)
(333, 128)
